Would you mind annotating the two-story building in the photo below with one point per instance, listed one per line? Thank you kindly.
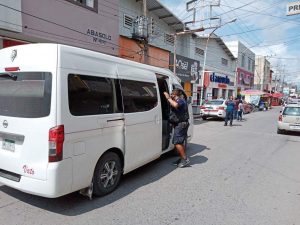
(219, 73)
(245, 65)
(263, 75)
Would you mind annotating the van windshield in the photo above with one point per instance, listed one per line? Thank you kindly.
(25, 94)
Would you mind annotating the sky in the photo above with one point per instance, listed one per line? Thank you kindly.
(261, 25)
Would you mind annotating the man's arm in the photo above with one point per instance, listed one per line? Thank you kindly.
(172, 102)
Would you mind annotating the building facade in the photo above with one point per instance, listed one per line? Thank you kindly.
(154, 44)
(263, 75)
(245, 65)
(219, 74)
(61, 21)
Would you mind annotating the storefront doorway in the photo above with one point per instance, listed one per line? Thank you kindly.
(215, 92)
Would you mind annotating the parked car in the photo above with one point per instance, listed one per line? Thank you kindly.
(247, 107)
(289, 119)
(214, 108)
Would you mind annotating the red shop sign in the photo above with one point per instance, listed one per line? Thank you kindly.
(222, 85)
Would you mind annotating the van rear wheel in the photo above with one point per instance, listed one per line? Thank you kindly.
(107, 174)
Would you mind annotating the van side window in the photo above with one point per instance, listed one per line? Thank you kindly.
(138, 96)
(89, 95)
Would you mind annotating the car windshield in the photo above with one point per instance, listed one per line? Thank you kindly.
(215, 102)
(291, 111)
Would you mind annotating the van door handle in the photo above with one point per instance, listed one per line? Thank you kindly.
(115, 120)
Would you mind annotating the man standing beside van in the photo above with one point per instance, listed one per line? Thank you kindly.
(180, 123)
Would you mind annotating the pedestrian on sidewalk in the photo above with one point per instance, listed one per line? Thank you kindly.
(229, 110)
(235, 110)
(240, 110)
(179, 120)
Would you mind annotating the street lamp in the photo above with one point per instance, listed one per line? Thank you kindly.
(205, 53)
(175, 41)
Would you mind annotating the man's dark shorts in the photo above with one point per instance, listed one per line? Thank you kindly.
(180, 133)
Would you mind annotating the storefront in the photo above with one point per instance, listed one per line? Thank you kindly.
(217, 85)
(187, 70)
(245, 80)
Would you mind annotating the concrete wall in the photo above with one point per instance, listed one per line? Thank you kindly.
(262, 74)
(133, 9)
(10, 19)
(68, 23)
(238, 49)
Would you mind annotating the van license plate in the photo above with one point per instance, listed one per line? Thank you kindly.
(8, 145)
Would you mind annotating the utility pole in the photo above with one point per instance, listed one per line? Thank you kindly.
(145, 41)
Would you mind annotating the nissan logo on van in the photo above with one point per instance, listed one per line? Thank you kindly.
(13, 55)
(5, 124)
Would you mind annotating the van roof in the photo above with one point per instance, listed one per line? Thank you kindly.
(111, 58)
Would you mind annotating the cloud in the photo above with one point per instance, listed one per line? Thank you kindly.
(275, 36)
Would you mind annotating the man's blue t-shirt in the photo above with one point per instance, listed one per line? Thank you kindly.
(181, 110)
(230, 105)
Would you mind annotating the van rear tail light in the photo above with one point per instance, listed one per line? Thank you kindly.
(221, 108)
(56, 141)
(280, 118)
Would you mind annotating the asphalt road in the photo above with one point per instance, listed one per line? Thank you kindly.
(245, 174)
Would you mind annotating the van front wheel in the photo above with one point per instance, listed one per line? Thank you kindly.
(107, 174)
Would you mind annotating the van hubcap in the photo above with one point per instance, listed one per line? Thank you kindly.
(109, 174)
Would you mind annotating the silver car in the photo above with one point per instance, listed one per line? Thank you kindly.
(289, 119)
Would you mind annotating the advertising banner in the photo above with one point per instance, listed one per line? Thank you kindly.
(186, 69)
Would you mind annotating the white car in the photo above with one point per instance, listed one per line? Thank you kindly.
(289, 119)
(214, 108)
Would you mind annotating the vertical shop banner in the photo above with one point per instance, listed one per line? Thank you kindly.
(186, 69)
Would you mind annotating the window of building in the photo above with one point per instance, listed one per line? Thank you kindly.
(199, 51)
(152, 26)
(89, 95)
(249, 64)
(138, 96)
(224, 62)
(169, 39)
(89, 4)
(243, 60)
(128, 21)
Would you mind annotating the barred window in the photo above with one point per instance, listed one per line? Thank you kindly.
(199, 51)
(128, 21)
(169, 39)
(224, 62)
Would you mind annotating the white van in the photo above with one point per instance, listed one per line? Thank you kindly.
(73, 119)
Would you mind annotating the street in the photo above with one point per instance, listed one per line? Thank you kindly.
(244, 174)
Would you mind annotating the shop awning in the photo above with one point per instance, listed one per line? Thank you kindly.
(277, 95)
(253, 92)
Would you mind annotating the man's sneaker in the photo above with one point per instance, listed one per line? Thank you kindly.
(184, 163)
(176, 162)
